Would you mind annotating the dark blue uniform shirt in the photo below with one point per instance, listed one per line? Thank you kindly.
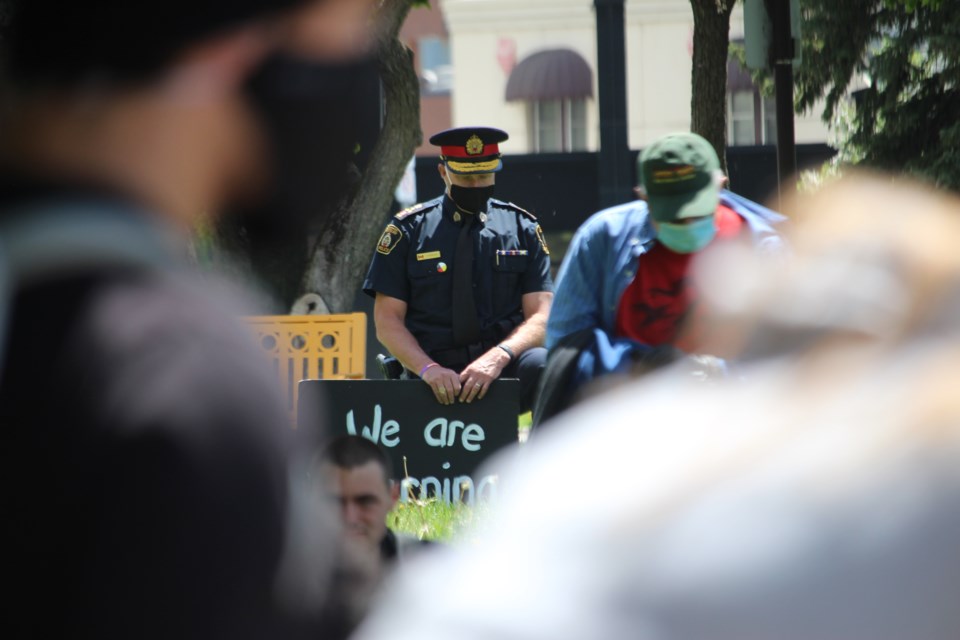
(414, 262)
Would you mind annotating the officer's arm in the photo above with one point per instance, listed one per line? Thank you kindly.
(476, 378)
(531, 332)
(388, 317)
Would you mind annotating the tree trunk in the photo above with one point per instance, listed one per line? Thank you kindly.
(711, 41)
(343, 246)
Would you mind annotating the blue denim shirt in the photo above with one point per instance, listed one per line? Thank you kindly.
(602, 258)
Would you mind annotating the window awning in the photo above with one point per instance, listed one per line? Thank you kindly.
(550, 75)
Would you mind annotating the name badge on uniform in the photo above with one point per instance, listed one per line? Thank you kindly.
(428, 255)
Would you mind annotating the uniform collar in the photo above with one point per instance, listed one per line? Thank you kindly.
(451, 212)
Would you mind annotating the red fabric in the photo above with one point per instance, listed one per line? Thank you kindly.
(729, 223)
(460, 151)
(657, 303)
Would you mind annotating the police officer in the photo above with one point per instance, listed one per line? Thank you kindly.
(462, 282)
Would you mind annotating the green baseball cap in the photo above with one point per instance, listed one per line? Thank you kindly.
(677, 173)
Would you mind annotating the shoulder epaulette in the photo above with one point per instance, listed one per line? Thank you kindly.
(417, 208)
(400, 215)
(517, 208)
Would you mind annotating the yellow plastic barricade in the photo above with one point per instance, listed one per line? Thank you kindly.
(331, 347)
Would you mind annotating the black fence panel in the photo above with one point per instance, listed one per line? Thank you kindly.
(753, 170)
(562, 189)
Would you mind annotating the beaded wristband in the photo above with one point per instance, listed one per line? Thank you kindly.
(427, 366)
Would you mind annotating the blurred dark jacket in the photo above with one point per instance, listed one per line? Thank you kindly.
(144, 459)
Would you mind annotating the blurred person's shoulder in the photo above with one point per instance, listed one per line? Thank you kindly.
(177, 345)
(134, 340)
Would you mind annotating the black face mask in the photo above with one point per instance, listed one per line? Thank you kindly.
(471, 199)
(312, 114)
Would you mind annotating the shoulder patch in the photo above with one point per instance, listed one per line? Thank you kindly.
(391, 236)
(542, 240)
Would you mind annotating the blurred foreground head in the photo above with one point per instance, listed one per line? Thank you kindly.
(816, 496)
(188, 107)
(874, 263)
(159, 495)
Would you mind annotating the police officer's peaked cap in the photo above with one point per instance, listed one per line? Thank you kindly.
(470, 149)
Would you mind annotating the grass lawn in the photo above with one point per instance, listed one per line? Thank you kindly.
(434, 519)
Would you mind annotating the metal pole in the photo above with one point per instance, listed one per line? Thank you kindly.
(782, 49)
(615, 175)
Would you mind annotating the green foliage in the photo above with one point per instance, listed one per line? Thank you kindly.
(911, 5)
(762, 78)
(906, 53)
(524, 420)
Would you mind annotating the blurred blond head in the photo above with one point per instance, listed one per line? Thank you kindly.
(873, 261)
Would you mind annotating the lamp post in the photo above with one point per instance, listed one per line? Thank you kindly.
(781, 59)
(615, 177)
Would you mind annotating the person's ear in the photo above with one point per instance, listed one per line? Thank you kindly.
(721, 180)
(394, 492)
(444, 175)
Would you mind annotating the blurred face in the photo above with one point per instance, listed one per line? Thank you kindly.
(306, 97)
(364, 497)
(687, 235)
(682, 222)
(468, 180)
(328, 30)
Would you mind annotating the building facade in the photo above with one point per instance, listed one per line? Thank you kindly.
(520, 66)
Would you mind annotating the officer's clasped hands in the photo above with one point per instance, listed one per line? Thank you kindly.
(444, 382)
(476, 378)
(471, 384)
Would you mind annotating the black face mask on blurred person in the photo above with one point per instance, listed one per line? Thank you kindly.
(471, 199)
(312, 115)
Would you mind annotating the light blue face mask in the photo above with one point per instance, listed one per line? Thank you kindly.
(687, 238)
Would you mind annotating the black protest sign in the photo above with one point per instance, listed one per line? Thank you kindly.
(440, 446)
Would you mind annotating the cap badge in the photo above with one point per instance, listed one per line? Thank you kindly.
(474, 145)
(671, 175)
